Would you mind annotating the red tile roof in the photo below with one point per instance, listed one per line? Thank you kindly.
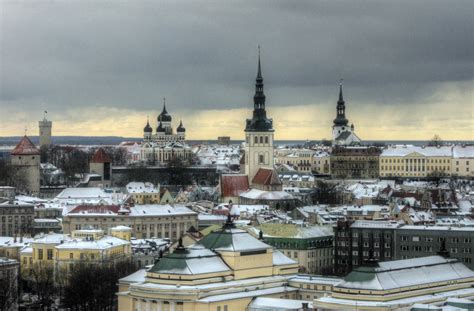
(100, 156)
(25, 147)
(234, 185)
(95, 209)
(266, 176)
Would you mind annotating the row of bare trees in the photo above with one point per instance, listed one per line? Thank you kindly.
(86, 286)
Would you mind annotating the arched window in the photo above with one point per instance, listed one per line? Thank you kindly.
(261, 139)
(266, 139)
(256, 139)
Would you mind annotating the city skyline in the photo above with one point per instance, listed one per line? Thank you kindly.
(101, 70)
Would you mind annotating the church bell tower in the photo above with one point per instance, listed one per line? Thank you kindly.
(258, 132)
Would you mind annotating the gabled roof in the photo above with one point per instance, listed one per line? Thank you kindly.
(267, 177)
(25, 147)
(100, 156)
(234, 185)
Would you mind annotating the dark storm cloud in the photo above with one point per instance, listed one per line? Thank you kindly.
(202, 55)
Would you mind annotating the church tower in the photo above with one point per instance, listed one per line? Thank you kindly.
(342, 133)
(45, 131)
(258, 132)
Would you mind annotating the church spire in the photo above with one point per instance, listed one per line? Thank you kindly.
(341, 109)
(259, 121)
(341, 99)
(259, 98)
(259, 74)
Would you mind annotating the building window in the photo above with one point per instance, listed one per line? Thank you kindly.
(40, 254)
(50, 254)
(266, 139)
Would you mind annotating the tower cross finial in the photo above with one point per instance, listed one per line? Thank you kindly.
(340, 89)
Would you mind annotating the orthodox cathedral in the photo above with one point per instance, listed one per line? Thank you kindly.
(342, 133)
(165, 144)
(164, 131)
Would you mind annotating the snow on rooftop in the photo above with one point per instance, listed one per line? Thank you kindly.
(256, 194)
(428, 151)
(102, 243)
(160, 210)
(278, 304)
(463, 151)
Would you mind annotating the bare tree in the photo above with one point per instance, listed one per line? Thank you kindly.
(101, 296)
(41, 282)
(8, 288)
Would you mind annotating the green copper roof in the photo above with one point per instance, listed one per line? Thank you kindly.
(190, 261)
(234, 240)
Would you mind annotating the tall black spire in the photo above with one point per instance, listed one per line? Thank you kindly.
(340, 119)
(259, 98)
(259, 121)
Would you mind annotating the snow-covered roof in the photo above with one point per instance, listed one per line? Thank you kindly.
(102, 243)
(52, 238)
(428, 151)
(140, 187)
(159, 210)
(256, 194)
(398, 274)
(279, 259)
(463, 152)
(277, 304)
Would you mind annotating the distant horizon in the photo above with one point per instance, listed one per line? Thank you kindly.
(7, 141)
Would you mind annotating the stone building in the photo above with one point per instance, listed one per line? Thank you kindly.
(354, 242)
(16, 219)
(101, 164)
(349, 162)
(415, 161)
(311, 247)
(146, 221)
(25, 158)
(463, 161)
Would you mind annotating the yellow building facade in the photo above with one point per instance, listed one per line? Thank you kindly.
(415, 161)
(62, 252)
(223, 271)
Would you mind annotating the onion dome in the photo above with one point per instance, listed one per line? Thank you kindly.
(164, 116)
(147, 128)
(160, 128)
(181, 128)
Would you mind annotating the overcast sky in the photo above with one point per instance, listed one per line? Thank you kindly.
(102, 67)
